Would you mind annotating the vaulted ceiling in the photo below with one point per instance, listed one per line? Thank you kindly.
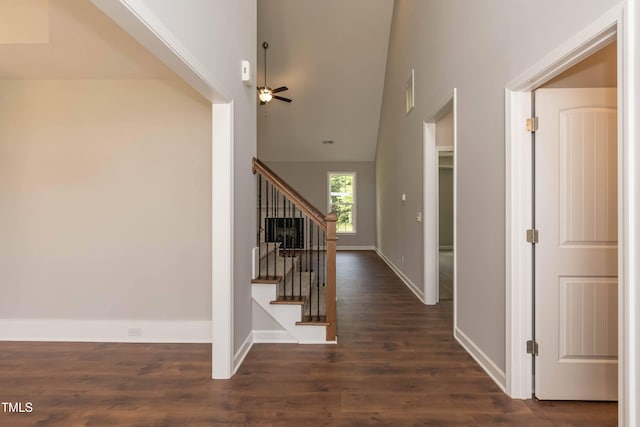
(331, 54)
(69, 39)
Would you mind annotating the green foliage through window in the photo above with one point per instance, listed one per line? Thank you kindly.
(342, 188)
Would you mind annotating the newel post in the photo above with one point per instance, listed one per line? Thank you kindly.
(331, 276)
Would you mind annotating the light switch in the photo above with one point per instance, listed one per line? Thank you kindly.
(404, 197)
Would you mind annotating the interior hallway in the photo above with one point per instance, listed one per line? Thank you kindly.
(396, 363)
(445, 272)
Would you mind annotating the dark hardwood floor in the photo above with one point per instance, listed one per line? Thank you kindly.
(396, 364)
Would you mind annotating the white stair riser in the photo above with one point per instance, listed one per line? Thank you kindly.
(287, 315)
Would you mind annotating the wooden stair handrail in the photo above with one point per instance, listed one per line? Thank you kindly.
(290, 193)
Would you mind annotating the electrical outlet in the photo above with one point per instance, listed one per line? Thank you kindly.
(419, 217)
(135, 332)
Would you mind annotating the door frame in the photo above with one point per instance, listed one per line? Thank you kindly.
(609, 27)
(430, 201)
(143, 25)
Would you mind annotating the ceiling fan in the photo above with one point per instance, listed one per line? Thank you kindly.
(265, 93)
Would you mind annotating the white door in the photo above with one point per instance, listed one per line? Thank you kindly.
(576, 281)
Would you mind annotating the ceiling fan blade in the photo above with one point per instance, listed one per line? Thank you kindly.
(279, 89)
(282, 99)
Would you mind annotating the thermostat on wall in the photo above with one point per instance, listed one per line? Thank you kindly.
(246, 72)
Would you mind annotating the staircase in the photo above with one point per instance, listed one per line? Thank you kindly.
(295, 262)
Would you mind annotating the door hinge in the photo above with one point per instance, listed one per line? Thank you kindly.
(532, 124)
(532, 236)
(532, 347)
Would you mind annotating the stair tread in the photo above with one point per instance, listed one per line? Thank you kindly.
(296, 300)
(267, 280)
(313, 322)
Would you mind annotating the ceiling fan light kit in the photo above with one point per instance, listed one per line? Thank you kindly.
(265, 93)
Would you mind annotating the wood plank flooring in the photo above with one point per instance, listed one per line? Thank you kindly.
(396, 364)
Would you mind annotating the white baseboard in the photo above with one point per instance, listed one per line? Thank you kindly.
(494, 372)
(264, 337)
(134, 331)
(412, 286)
(242, 352)
(355, 248)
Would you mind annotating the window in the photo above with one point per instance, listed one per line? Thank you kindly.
(342, 200)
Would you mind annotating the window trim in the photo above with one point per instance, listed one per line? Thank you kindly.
(354, 210)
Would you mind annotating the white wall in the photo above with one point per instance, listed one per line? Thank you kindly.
(220, 34)
(105, 200)
(310, 180)
(476, 47)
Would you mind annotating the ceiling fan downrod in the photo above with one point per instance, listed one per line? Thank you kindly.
(265, 93)
(265, 46)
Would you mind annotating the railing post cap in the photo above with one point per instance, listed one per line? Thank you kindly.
(331, 217)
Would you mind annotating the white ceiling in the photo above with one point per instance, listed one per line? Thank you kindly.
(332, 56)
(83, 43)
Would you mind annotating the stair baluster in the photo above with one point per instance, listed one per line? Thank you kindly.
(284, 243)
(319, 271)
(274, 213)
(311, 225)
(300, 248)
(323, 269)
(266, 216)
(290, 227)
(259, 217)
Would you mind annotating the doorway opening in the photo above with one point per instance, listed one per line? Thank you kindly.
(439, 195)
(445, 222)
(575, 266)
(519, 209)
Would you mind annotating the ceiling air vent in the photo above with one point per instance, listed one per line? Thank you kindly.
(327, 141)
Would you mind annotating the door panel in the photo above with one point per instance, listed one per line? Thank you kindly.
(576, 257)
(588, 176)
(588, 319)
